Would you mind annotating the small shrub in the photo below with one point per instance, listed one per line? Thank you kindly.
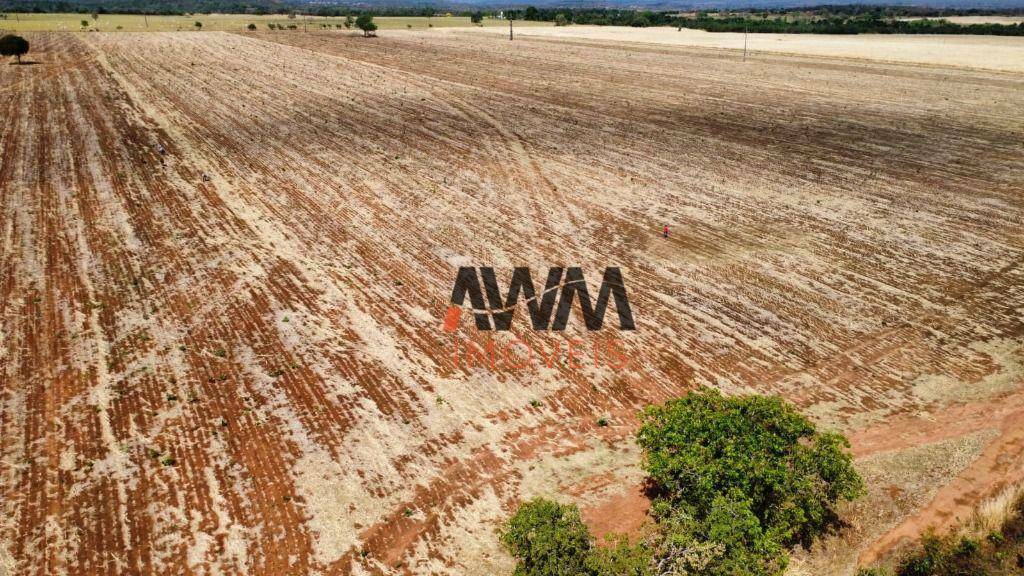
(547, 539)
(251, 27)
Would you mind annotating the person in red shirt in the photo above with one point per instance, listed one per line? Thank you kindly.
(664, 231)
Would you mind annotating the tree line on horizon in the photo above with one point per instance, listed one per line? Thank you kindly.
(845, 19)
(861, 20)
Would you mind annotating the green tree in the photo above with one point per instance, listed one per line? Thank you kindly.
(251, 27)
(547, 539)
(198, 25)
(84, 23)
(11, 45)
(561, 20)
(753, 449)
(476, 17)
(349, 21)
(365, 23)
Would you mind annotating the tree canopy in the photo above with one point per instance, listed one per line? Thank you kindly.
(365, 23)
(756, 452)
(11, 45)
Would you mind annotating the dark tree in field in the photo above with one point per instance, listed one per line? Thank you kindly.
(251, 27)
(198, 25)
(476, 17)
(349, 21)
(365, 23)
(12, 45)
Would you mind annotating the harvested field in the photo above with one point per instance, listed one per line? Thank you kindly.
(229, 359)
(988, 52)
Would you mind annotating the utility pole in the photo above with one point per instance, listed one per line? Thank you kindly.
(146, 18)
(510, 28)
(744, 43)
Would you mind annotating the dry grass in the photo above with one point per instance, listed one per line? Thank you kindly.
(996, 512)
(990, 52)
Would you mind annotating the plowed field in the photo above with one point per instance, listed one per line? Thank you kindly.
(228, 359)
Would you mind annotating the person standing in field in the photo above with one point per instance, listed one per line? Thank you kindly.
(664, 231)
